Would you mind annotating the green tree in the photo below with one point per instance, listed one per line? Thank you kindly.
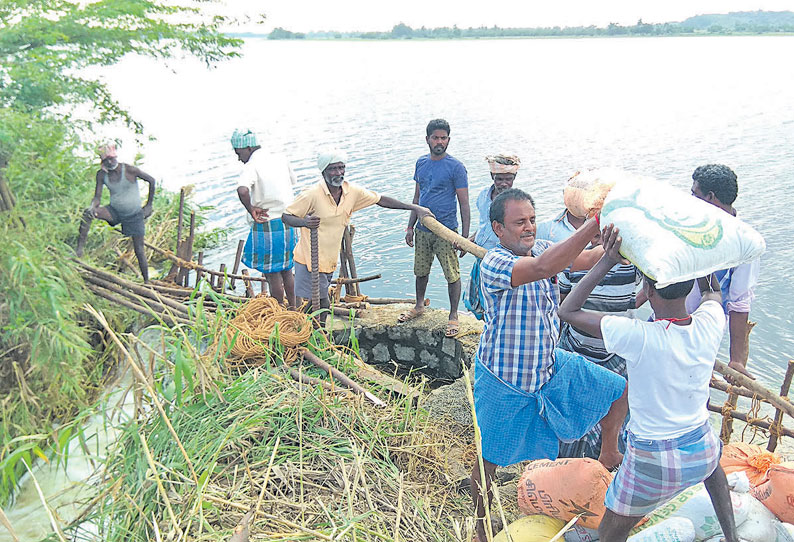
(45, 45)
(402, 30)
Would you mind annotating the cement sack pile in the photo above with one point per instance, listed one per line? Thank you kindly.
(777, 491)
(750, 459)
(669, 530)
(535, 528)
(672, 236)
(578, 533)
(564, 489)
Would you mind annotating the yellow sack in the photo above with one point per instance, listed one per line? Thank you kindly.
(537, 528)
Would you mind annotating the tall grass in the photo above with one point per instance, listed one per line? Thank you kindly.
(315, 465)
(52, 356)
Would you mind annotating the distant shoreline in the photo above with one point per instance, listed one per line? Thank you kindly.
(739, 23)
(489, 38)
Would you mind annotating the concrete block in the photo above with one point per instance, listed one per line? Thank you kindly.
(449, 346)
(405, 353)
(426, 337)
(380, 353)
(428, 359)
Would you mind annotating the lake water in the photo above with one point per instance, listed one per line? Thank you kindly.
(656, 106)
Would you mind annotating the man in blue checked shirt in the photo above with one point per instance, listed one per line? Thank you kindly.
(523, 384)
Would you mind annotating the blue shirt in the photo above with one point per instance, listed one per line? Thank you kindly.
(438, 180)
(555, 230)
(521, 323)
(485, 237)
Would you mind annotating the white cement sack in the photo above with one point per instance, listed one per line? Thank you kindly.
(670, 530)
(784, 532)
(578, 533)
(739, 482)
(701, 513)
(672, 236)
(759, 525)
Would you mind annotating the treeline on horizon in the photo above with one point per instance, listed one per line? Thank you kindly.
(750, 22)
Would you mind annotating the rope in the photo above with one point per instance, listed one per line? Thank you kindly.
(259, 320)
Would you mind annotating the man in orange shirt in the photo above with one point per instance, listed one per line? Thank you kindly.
(327, 207)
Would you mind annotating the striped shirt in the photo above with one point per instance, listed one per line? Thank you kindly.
(616, 294)
(521, 323)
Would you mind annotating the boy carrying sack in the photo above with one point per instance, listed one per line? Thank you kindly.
(669, 362)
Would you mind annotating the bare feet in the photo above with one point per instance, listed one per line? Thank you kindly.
(610, 460)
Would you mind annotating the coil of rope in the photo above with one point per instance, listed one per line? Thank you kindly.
(255, 324)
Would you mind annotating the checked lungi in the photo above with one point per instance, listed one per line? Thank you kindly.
(269, 246)
(655, 471)
(518, 426)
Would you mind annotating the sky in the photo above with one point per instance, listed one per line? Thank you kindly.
(378, 15)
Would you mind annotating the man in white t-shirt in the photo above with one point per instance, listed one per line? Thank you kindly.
(671, 445)
(265, 190)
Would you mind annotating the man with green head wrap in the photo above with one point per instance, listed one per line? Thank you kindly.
(265, 190)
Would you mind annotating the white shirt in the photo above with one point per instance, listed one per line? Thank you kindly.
(269, 179)
(669, 369)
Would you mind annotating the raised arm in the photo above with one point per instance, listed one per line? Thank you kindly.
(556, 258)
(571, 310)
(97, 190)
(409, 231)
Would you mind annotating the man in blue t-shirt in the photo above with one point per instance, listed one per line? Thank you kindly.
(441, 186)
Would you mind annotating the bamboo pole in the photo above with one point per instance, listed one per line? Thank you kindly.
(199, 272)
(220, 281)
(351, 262)
(736, 390)
(784, 389)
(155, 306)
(237, 258)
(249, 291)
(344, 274)
(101, 292)
(145, 291)
(339, 311)
(758, 389)
(140, 291)
(169, 255)
(344, 280)
(187, 251)
(339, 375)
(393, 300)
(448, 235)
(175, 267)
(750, 421)
(300, 377)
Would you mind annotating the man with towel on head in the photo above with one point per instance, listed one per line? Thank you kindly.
(125, 203)
(504, 168)
(265, 190)
(327, 207)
